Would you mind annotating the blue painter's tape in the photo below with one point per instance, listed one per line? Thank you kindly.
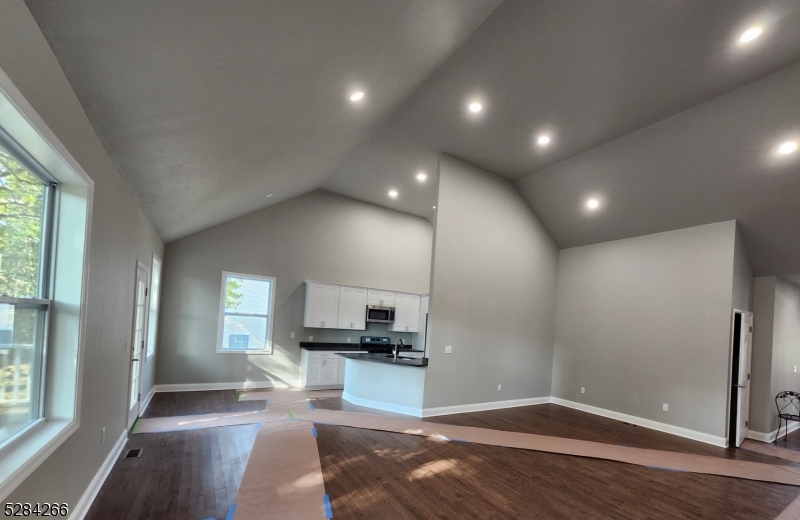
(267, 400)
(668, 469)
(259, 425)
(314, 432)
(311, 405)
(328, 510)
(231, 511)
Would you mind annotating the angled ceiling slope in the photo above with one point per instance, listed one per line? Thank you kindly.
(208, 108)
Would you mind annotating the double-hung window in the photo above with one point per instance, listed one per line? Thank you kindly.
(26, 202)
(247, 305)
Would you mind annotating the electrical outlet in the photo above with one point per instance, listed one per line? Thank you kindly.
(348, 340)
(665, 407)
(499, 387)
(583, 390)
(292, 335)
(127, 344)
(103, 435)
(249, 368)
(448, 349)
(795, 368)
(311, 338)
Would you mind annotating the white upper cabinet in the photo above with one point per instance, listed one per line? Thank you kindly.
(352, 308)
(406, 314)
(322, 306)
(382, 298)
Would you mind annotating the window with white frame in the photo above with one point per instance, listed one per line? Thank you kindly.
(155, 297)
(25, 245)
(246, 309)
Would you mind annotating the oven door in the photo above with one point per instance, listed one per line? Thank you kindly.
(380, 314)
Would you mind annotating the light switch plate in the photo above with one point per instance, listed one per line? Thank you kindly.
(249, 368)
(583, 390)
(311, 338)
(448, 349)
(499, 387)
(665, 407)
(292, 335)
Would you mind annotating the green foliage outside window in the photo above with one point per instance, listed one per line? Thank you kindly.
(21, 210)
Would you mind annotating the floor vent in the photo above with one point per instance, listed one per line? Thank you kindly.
(133, 454)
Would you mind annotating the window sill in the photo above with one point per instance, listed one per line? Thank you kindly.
(30, 451)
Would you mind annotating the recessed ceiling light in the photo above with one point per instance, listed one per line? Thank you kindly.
(750, 34)
(270, 195)
(592, 203)
(422, 176)
(434, 207)
(357, 96)
(543, 140)
(788, 147)
(475, 107)
(393, 194)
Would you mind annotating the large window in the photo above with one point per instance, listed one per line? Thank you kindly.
(155, 297)
(24, 293)
(246, 310)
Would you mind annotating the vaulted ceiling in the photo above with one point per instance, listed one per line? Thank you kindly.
(653, 108)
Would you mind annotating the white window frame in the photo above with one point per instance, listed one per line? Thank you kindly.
(28, 449)
(150, 355)
(270, 317)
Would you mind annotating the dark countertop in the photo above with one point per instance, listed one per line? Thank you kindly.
(348, 347)
(385, 358)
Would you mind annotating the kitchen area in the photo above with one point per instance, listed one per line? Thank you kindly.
(384, 369)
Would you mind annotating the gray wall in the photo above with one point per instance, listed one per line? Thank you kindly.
(120, 235)
(761, 404)
(492, 294)
(646, 321)
(743, 279)
(319, 236)
(776, 348)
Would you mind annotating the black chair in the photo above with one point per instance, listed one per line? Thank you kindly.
(788, 404)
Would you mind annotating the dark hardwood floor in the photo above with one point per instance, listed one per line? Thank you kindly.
(194, 475)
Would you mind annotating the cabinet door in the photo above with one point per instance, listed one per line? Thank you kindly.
(345, 320)
(400, 313)
(330, 371)
(330, 306)
(382, 298)
(412, 313)
(358, 310)
(313, 316)
(314, 372)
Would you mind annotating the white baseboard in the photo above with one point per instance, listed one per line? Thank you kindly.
(86, 500)
(381, 405)
(194, 387)
(147, 399)
(770, 437)
(482, 407)
(647, 423)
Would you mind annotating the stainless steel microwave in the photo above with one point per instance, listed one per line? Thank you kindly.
(380, 314)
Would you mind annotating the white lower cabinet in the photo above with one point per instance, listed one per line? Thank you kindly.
(320, 369)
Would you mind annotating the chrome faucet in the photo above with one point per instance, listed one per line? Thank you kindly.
(397, 345)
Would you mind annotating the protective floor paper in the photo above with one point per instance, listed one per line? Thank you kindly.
(771, 450)
(655, 459)
(283, 478)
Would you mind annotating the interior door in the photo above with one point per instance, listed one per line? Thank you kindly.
(137, 344)
(743, 412)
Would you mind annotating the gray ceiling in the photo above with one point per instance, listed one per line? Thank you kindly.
(652, 106)
(207, 107)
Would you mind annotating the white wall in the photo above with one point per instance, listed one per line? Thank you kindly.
(492, 294)
(319, 236)
(646, 321)
(120, 234)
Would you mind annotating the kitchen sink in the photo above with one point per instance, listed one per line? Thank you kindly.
(400, 357)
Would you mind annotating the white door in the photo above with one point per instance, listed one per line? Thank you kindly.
(314, 372)
(313, 310)
(345, 319)
(137, 344)
(745, 349)
(330, 371)
(412, 311)
(380, 298)
(330, 306)
(400, 313)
